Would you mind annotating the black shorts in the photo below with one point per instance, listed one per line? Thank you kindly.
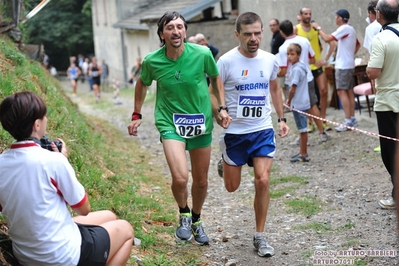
(95, 246)
(317, 72)
(96, 80)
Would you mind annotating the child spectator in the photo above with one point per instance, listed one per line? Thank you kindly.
(298, 98)
(36, 187)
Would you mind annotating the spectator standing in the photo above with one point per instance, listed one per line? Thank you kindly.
(307, 54)
(277, 39)
(85, 70)
(348, 45)
(81, 59)
(276, 42)
(201, 40)
(298, 98)
(249, 75)
(183, 116)
(373, 28)
(305, 29)
(383, 67)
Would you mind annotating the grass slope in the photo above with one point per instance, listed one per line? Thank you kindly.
(115, 173)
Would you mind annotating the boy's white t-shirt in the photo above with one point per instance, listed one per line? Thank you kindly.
(35, 187)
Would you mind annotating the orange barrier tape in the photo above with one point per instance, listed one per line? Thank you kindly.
(338, 124)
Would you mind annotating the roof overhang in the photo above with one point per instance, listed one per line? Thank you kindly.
(187, 8)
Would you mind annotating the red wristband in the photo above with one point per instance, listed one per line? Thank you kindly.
(136, 116)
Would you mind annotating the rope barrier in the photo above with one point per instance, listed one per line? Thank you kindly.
(338, 124)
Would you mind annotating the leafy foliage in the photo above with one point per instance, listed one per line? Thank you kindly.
(64, 27)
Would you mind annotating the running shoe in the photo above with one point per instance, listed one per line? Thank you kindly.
(342, 127)
(262, 247)
(183, 231)
(200, 237)
(387, 204)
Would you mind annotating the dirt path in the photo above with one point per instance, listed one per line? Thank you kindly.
(344, 178)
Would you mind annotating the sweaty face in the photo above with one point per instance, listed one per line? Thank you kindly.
(306, 15)
(249, 38)
(174, 33)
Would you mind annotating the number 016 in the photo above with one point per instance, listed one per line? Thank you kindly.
(252, 111)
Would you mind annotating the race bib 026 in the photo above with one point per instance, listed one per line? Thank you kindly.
(189, 125)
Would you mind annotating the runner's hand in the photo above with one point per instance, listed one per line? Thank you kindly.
(283, 130)
(133, 126)
(223, 119)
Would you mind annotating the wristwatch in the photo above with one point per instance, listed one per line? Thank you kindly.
(282, 119)
(318, 28)
(223, 107)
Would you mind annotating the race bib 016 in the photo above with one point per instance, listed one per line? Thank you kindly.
(251, 106)
(189, 125)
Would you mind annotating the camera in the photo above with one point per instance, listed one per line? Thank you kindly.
(45, 143)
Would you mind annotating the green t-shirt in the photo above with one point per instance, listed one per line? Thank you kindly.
(181, 89)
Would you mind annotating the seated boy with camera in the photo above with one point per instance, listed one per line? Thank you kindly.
(35, 187)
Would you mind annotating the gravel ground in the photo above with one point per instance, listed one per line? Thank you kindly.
(345, 176)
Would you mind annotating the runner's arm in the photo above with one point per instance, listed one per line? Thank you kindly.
(139, 96)
(278, 106)
(217, 98)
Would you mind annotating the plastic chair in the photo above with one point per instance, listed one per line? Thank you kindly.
(364, 89)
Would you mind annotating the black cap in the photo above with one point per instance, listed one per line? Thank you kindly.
(343, 13)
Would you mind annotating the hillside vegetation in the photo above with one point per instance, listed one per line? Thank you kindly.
(115, 172)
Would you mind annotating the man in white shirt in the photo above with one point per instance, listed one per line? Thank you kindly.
(348, 45)
(373, 28)
(384, 69)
